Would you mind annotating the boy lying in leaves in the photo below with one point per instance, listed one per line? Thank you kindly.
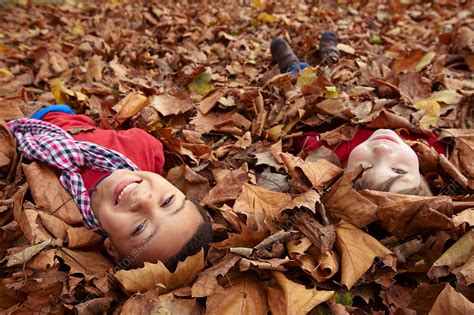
(393, 165)
(114, 177)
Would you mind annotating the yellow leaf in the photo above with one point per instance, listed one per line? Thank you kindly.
(306, 77)
(268, 18)
(446, 96)
(6, 72)
(151, 275)
(432, 111)
(426, 60)
(64, 95)
(78, 29)
(358, 250)
(257, 3)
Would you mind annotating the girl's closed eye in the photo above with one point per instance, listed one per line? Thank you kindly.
(167, 201)
(399, 171)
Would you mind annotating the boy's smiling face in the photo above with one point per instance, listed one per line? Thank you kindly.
(394, 163)
(145, 216)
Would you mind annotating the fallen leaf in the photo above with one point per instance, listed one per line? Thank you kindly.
(82, 237)
(431, 110)
(206, 283)
(425, 61)
(49, 194)
(322, 237)
(343, 202)
(167, 104)
(201, 84)
(21, 258)
(455, 256)
(451, 302)
(464, 216)
(153, 302)
(94, 69)
(288, 297)
(247, 296)
(256, 200)
(90, 264)
(151, 275)
(129, 106)
(229, 188)
(358, 251)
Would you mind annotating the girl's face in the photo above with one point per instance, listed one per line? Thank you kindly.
(394, 163)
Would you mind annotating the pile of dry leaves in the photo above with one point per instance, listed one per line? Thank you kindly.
(291, 234)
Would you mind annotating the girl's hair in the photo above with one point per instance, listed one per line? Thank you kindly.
(366, 182)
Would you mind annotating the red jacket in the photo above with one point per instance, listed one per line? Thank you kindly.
(136, 144)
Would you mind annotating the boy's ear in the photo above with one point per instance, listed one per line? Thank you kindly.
(109, 246)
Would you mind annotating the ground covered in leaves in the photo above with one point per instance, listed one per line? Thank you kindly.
(291, 234)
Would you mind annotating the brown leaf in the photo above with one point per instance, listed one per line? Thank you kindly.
(129, 106)
(119, 70)
(247, 296)
(90, 264)
(322, 237)
(396, 297)
(408, 63)
(259, 201)
(27, 254)
(288, 297)
(211, 100)
(142, 279)
(249, 236)
(463, 150)
(9, 110)
(229, 187)
(49, 194)
(465, 273)
(43, 261)
(153, 302)
(343, 202)
(451, 302)
(455, 256)
(17, 83)
(407, 219)
(189, 182)
(54, 225)
(206, 283)
(321, 172)
(94, 306)
(167, 104)
(424, 296)
(413, 87)
(358, 250)
(7, 149)
(464, 216)
(94, 69)
(82, 237)
(218, 122)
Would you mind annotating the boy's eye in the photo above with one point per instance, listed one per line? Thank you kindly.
(167, 201)
(139, 228)
(399, 171)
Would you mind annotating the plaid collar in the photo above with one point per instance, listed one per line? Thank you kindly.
(47, 143)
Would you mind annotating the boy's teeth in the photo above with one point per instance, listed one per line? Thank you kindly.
(125, 190)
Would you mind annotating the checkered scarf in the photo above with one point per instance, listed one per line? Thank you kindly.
(45, 142)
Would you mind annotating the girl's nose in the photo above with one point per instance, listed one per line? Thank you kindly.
(382, 149)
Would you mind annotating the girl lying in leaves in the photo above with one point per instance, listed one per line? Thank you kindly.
(393, 164)
(114, 177)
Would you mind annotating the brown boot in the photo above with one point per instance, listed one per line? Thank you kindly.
(328, 51)
(282, 54)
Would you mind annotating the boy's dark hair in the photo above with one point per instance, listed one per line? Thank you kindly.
(200, 240)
